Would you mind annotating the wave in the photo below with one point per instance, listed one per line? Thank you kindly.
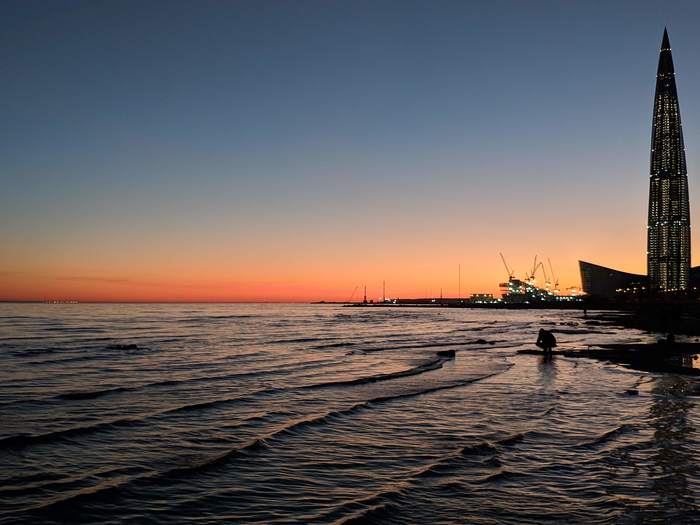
(457, 343)
(94, 350)
(262, 443)
(501, 475)
(377, 506)
(333, 345)
(216, 317)
(67, 504)
(433, 344)
(75, 330)
(549, 411)
(511, 440)
(255, 446)
(447, 463)
(90, 353)
(294, 340)
(607, 436)
(482, 448)
(437, 363)
(220, 401)
(33, 352)
(364, 405)
(374, 506)
(64, 360)
(90, 394)
(420, 369)
(280, 370)
(377, 513)
(55, 482)
(22, 441)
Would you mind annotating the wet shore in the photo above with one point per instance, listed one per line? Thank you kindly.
(676, 329)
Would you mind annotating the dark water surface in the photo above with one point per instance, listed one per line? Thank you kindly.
(324, 414)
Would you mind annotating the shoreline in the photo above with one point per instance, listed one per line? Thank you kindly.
(662, 320)
(679, 358)
(678, 319)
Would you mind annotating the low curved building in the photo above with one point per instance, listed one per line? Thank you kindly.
(607, 282)
(600, 281)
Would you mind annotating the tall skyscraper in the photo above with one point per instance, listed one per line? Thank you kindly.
(668, 234)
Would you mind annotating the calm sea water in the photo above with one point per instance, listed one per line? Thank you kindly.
(325, 414)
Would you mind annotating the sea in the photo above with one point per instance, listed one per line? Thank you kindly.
(296, 414)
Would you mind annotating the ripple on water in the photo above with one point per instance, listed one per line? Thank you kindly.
(324, 414)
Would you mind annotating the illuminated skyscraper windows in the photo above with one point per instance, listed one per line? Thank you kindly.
(668, 235)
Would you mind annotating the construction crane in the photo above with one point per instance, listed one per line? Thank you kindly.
(554, 278)
(511, 275)
(531, 276)
(547, 282)
(353, 294)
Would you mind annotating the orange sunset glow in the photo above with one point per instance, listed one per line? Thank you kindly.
(349, 262)
(313, 179)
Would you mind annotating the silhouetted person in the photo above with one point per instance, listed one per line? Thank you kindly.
(546, 341)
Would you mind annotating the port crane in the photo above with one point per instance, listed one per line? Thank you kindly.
(534, 269)
(551, 280)
(526, 290)
(547, 282)
(511, 275)
(530, 276)
(556, 279)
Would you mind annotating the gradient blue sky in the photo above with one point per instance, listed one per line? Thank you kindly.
(294, 150)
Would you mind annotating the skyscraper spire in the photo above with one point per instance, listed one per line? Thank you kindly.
(665, 44)
(668, 233)
(665, 57)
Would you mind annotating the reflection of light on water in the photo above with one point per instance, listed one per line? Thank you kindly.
(673, 463)
(691, 361)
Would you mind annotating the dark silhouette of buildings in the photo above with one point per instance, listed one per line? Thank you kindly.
(600, 281)
(668, 234)
(605, 282)
(668, 231)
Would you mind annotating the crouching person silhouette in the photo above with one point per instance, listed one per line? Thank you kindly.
(546, 341)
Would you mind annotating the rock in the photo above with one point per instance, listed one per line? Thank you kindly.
(446, 353)
(123, 347)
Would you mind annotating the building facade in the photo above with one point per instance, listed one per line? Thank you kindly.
(668, 228)
(610, 283)
(668, 233)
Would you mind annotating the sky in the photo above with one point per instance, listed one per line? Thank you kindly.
(299, 150)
